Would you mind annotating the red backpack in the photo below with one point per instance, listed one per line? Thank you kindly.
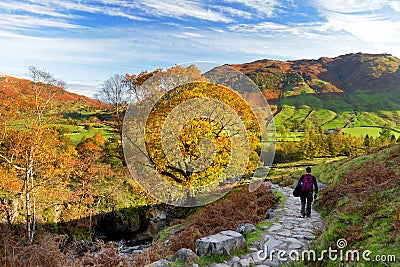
(307, 183)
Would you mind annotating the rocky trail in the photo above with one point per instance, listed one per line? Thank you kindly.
(283, 238)
(289, 233)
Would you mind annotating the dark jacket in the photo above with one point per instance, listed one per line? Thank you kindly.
(315, 185)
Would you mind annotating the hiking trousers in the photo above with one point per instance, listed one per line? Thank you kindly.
(306, 201)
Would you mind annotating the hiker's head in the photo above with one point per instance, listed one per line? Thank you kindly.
(308, 169)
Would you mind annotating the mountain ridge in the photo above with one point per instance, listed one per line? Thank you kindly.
(357, 89)
(330, 69)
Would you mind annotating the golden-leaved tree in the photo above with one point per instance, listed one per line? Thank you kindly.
(218, 126)
(191, 128)
(32, 156)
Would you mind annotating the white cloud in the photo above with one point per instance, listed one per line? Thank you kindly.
(24, 21)
(217, 30)
(118, 9)
(260, 27)
(369, 28)
(33, 8)
(87, 90)
(347, 26)
(192, 35)
(351, 6)
(263, 7)
(234, 12)
(311, 31)
(180, 8)
(375, 22)
(396, 6)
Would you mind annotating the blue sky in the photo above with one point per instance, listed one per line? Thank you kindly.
(85, 42)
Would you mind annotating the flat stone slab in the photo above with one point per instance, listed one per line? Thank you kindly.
(160, 263)
(220, 244)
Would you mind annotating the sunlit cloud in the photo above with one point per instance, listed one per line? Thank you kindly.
(370, 28)
(372, 21)
(352, 6)
(396, 6)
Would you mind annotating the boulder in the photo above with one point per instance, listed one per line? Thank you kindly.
(160, 263)
(271, 213)
(234, 262)
(246, 228)
(184, 254)
(245, 262)
(222, 243)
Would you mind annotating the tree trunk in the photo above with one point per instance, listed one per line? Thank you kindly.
(30, 203)
(27, 205)
(33, 216)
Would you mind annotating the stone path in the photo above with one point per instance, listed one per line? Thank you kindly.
(288, 237)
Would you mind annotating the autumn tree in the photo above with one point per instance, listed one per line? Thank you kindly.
(367, 141)
(29, 147)
(188, 136)
(385, 134)
(320, 144)
(134, 83)
(219, 126)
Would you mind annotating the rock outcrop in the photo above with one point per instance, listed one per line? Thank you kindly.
(221, 244)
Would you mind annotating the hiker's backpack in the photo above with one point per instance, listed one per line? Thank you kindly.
(307, 183)
(297, 190)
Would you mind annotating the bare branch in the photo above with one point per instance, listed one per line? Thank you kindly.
(10, 161)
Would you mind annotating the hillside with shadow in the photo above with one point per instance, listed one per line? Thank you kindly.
(351, 90)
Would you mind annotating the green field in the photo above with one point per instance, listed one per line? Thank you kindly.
(337, 104)
(76, 137)
(362, 131)
(338, 122)
(370, 100)
(309, 100)
(306, 102)
(286, 113)
(300, 113)
(290, 137)
(321, 116)
(299, 89)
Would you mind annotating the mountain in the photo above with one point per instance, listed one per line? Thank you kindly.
(347, 91)
(15, 88)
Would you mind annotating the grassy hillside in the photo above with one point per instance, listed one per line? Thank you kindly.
(354, 90)
(361, 204)
(11, 87)
(79, 116)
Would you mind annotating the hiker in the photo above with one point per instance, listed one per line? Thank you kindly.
(308, 185)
